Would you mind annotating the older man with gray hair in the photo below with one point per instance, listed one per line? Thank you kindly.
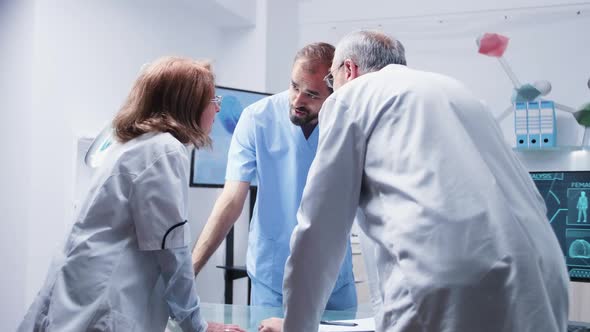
(463, 240)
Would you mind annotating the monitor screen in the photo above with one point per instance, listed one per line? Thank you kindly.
(566, 197)
(208, 165)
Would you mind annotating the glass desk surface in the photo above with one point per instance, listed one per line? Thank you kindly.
(249, 317)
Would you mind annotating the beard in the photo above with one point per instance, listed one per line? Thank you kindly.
(301, 119)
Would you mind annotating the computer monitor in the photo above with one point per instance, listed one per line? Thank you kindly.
(208, 165)
(567, 197)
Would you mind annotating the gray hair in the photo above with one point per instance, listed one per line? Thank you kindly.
(370, 50)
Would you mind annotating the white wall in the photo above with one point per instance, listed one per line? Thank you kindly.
(282, 37)
(347, 11)
(75, 61)
(16, 44)
(265, 51)
(545, 44)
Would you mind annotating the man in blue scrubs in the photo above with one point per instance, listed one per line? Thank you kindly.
(275, 141)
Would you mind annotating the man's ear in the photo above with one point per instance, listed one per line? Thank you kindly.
(351, 70)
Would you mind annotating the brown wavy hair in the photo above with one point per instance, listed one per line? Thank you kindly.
(170, 95)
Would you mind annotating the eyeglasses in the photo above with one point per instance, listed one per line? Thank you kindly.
(217, 100)
(329, 79)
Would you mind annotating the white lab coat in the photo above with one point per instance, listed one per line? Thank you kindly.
(369, 252)
(463, 240)
(126, 263)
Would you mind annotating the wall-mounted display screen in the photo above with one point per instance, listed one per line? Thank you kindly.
(566, 197)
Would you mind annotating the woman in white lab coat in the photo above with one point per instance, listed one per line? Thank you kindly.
(126, 265)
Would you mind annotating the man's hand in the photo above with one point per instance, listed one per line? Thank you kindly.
(271, 325)
(219, 327)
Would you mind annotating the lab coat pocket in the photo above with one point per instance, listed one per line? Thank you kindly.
(42, 324)
(37, 317)
(112, 321)
(177, 236)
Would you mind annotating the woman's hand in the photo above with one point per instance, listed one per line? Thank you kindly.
(219, 327)
(271, 325)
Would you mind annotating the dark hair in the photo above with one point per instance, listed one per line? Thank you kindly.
(170, 95)
(316, 53)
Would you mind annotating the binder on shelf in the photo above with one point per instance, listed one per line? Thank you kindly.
(534, 124)
(548, 127)
(521, 125)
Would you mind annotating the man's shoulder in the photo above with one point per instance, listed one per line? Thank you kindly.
(269, 106)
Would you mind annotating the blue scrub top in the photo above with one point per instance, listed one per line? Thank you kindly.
(267, 146)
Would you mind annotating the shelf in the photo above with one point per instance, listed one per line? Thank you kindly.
(564, 148)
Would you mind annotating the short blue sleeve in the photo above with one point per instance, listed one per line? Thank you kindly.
(241, 158)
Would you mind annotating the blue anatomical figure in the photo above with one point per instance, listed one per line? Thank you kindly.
(582, 206)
